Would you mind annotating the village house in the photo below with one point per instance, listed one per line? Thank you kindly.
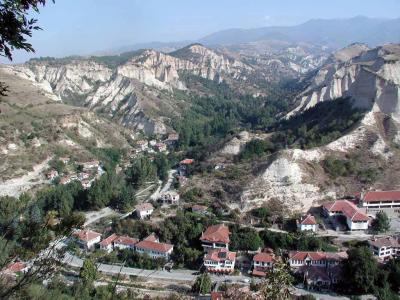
(220, 261)
(317, 278)
(215, 237)
(172, 139)
(200, 209)
(52, 174)
(168, 198)
(307, 223)
(160, 147)
(262, 263)
(87, 239)
(319, 259)
(144, 210)
(184, 166)
(125, 242)
(355, 219)
(153, 248)
(142, 145)
(385, 248)
(107, 243)
(320, 270)
(375, 201)
(13, 269)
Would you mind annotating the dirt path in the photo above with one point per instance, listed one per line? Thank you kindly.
(16, 186)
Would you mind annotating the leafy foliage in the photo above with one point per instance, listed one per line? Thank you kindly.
(361, 270)
(278, 283)
(16, 26)
(88, 272)
(295, 241)
(203, 284)
(381, 223)
(244, 239)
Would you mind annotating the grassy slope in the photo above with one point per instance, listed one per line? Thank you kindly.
(28, 115)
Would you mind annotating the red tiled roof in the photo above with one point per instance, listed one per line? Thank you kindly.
(151, 238)
(144, 206)
(347, 208)
(308, 220)
(385, 242)
(377, 196)
(217, 296)
(263, 257)
(259, 273)
(220, 254)
(149, 245)
(302, 255)
(187, 161)
(126, 240)
(216, 233)
(107, 241)
(15, 267)
(86, 235)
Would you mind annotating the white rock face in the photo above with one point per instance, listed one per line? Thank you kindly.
(236, 145)
(370, 77)
(284, 179)
(116, 90)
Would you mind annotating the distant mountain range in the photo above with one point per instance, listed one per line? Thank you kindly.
(333, 33)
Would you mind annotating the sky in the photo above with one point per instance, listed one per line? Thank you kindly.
(84, 27)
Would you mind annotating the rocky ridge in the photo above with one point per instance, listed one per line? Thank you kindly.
(137, 91)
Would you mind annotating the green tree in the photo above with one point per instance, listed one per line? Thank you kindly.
(16, 26)
(278, 283)
(141, 170)
(88, 272)
(126, 198)
(393, 268)
(381, 223)
(203, 284)
(360, 270)
(162, 164)
(58, 165)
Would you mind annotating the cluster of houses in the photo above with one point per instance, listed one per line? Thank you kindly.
(157, 146)
(90, 171)
(357, 213)
(151, 245)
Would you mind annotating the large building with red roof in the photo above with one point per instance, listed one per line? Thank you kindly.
(355, 218)
(315, 258)
(374, 201)
(215, 237)
(153, 248)
(220, 261)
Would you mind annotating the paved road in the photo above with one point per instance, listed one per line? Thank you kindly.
(317, 295)
(93, 216)
(178, 275)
